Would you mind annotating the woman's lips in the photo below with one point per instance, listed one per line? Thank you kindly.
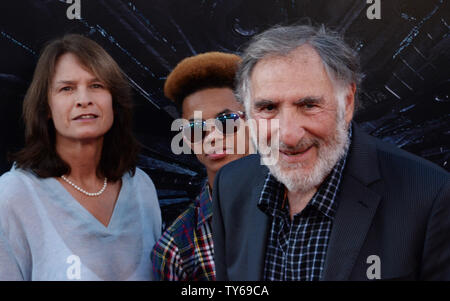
(85, 118)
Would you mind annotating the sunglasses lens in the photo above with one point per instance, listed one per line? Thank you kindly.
(228, 123)
(194, 131)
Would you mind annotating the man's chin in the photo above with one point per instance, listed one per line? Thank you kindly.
(294, 178)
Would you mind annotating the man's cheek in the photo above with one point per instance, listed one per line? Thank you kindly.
(272, 130)
(267, 136)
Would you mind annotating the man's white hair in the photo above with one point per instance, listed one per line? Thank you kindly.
(340, 61)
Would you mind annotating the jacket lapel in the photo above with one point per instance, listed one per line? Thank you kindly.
(357, 206)
(258, 226)
(257, 245)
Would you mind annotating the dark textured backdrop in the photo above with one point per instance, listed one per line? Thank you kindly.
(405, 56)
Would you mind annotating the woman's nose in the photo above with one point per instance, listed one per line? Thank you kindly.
(82, 99)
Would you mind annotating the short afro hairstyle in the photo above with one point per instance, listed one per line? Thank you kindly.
(202, 71)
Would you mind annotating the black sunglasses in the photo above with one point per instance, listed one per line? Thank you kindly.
(195, 131)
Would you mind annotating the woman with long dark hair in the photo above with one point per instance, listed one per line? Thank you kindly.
(75, 206)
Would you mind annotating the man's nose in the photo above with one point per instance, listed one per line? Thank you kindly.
(291, 127)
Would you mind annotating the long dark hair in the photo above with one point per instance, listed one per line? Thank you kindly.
(120, 148)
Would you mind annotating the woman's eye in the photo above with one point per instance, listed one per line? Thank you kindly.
(97, 86)
(67, 89)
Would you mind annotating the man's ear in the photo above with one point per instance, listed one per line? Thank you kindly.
(350, 102)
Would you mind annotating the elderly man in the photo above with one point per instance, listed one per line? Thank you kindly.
(337, 204)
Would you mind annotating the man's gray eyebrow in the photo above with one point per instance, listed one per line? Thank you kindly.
(310, 99)
(263, 102)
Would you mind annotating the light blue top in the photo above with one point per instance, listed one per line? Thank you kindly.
(45, 234)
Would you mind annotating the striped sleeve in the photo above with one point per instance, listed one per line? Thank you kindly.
(166, 260)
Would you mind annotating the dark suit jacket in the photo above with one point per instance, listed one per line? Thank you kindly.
(391, 204)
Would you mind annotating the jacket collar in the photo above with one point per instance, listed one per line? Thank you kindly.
(358, 201)
(203, 205)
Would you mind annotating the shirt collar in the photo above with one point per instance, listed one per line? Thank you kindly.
(325, 198)
(273, 197)
(203, 205)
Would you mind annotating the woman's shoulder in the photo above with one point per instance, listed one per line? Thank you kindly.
(14, 186)
(141, 177)
(140, 184)
(141, 189)
(14, 179)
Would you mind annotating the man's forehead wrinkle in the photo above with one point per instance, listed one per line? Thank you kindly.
(303, 55)
(272, 75)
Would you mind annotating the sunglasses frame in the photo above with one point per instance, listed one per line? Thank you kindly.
(191, 124)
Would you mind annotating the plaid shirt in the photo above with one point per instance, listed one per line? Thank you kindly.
(297, 248)
(185, 249)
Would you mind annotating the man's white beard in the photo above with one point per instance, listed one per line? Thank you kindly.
(329, 152)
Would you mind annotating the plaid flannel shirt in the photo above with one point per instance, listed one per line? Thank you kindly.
(185, 249)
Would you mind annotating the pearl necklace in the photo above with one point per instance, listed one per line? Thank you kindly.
(84, 191)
